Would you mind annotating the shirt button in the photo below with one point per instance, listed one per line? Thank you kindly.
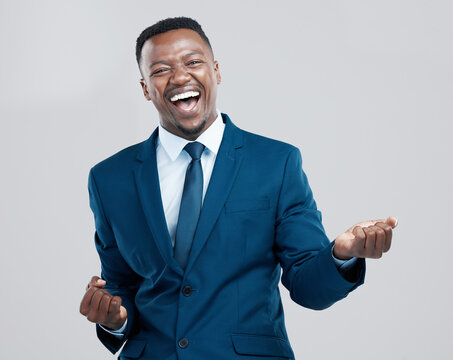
(187, 290)
(183, 343)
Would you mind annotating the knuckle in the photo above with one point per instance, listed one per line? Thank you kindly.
(91, 291)
(105, 301)
(359, 235)
(117, 299)
(84, 308)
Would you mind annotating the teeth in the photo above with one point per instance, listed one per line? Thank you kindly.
(185, 95)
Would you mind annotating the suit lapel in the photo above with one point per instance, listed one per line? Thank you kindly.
(226, 167)
(147, 180)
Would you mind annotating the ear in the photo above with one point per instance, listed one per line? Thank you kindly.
(145, 90)
(217, 72)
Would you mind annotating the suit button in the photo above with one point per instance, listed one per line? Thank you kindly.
(187, 290)
(183, 343)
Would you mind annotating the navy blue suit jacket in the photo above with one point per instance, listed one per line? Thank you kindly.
(258, 218)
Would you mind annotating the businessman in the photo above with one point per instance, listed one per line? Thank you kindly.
(195, 225)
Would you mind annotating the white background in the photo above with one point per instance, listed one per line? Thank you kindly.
(364, 88)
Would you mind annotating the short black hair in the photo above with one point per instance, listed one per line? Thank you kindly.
(166, 25)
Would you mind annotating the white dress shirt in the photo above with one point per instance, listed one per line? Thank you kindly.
(172, 164)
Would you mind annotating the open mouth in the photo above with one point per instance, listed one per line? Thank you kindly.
(186, 102)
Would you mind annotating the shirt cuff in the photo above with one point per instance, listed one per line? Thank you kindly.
(344, 266)
(117, 333)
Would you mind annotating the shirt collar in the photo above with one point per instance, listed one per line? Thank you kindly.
(210, 138)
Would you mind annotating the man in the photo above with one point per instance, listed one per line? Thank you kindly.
(194, 225)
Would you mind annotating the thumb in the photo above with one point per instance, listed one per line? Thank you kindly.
(123, 312)
(96, 281)
(392, 221)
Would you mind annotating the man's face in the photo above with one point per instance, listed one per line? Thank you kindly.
(180, 77)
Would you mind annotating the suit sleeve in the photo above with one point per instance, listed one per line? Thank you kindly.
(304, 251)
(120, 279)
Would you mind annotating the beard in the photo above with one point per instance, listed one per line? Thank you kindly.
(192, 132)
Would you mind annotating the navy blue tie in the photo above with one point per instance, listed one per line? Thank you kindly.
(190, 209)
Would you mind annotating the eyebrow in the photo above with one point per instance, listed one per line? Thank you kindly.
(193, 53)
(184, 57)
(158, 62)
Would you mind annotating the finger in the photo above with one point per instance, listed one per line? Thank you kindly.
(364, 224)
(388, 235)
(359, 240)
(115, 305)
(86, 300)
(392, 221)
(380, 241)
(114, 314)
(96, 281)
(104, 308)
(370, 242)
(123, 313)
(93, 313)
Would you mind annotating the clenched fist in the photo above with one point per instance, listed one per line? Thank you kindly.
(367, 239)
(101, 307)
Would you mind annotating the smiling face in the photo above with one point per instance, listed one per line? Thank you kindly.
(180, 77)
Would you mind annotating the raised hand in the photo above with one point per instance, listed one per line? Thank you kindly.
(101, 307)
(367, 239)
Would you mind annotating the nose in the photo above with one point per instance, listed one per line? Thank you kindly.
(180, 76)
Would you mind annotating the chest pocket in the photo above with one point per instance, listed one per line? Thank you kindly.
(247, 205)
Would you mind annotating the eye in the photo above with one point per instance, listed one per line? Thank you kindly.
(158, 71)
(194, 62)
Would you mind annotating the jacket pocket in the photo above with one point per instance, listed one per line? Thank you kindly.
(133, 349)
(247, 205)
(261, 345)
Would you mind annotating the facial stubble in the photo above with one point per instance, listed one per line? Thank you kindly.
(196, 131)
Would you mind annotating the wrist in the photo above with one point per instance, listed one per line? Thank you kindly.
(336, 251)
(114, 326)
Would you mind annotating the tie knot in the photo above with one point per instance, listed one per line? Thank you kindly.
(194, 149)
